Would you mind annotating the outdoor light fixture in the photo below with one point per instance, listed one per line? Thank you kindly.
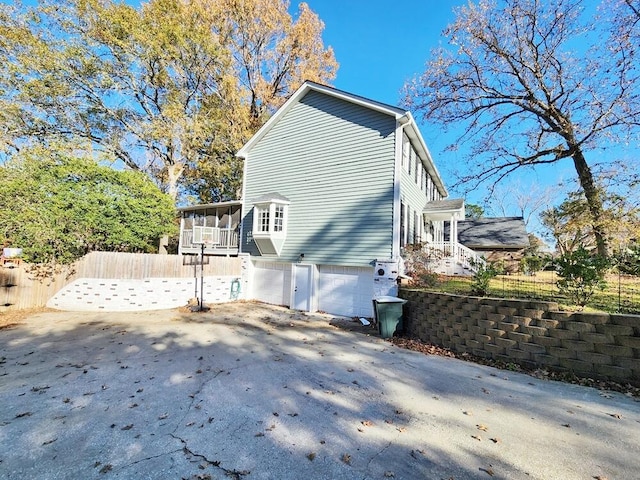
(301, 257)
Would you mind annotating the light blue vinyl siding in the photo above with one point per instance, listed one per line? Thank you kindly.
(414, 196)
(334, 161)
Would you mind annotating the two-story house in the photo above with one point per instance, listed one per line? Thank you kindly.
(335, 185)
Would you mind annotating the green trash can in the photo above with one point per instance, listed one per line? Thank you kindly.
(388, 311)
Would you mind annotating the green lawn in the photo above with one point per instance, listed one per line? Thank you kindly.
(621, 295)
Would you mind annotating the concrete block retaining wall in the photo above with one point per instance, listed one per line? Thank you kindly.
(528, 332)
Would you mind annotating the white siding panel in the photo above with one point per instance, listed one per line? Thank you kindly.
(272, 282)
(346, 291)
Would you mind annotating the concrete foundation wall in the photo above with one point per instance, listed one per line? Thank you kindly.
(126, 295)
(529, 333)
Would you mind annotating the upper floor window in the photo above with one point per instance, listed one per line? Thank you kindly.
(278, 219)
(406, 151)
(270, 223)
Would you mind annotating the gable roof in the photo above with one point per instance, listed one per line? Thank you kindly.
(402, 116)
(271, 197)
(497, 232)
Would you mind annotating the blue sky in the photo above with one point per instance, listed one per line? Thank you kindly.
(380, 45)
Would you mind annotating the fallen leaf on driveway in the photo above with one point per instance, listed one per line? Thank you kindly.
(367, 423)
(484, 428)
(600, 477)
(346, 458)
(127, 427)
(566, 425)
(615, 415)
(489, 471)
(495, 440)
(389, 474)
(311, 456)
(476, 437)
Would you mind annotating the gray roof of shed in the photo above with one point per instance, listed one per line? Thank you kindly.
(496, 232)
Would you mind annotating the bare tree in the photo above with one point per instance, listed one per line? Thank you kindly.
(526, 201)
(534, 82)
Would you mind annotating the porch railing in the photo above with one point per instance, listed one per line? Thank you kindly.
(464, 255)
(228, 240)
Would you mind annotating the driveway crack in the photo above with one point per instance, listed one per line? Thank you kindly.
(231, 473)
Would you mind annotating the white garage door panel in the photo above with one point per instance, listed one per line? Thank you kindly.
(272, 282)
(346, 291)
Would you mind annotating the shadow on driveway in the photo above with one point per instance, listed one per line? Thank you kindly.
(250, 391)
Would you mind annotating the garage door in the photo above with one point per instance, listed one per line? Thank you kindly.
(272, 282)
(346, 291)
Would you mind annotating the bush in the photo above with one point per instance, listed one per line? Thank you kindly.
(416, 260)
(532, 264)
(581, 274)
(628, 261)
(485, 271)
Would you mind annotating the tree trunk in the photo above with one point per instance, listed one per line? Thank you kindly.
(174, 171)
(594, 200)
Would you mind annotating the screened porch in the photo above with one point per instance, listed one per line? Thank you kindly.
(216, 225)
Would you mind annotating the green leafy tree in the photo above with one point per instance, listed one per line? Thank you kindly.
(172, 88)
(513, 77)
(581, 275)
(569, 223)
(473, 211)
(58, 207)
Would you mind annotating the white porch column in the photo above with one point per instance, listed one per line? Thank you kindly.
(452, 228)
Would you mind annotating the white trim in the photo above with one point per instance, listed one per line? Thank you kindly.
(244, 211)
(425, 155)
(202, 206)
(397, 175)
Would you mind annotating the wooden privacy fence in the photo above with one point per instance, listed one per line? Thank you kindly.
(20, 289)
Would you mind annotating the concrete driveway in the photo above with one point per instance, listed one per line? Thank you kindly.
(250, 391)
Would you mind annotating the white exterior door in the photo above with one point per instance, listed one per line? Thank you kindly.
(302, 295)
(346, 291)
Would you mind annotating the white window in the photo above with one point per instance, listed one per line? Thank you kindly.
(425, 179)
(406, 152)
(270, 218)
(270, 224)
(278, 218)
(262, 214)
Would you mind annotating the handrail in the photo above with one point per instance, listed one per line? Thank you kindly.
(464, 255)
(228, 239)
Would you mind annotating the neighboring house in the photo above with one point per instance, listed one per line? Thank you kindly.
(335, 185)
(498, 239)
